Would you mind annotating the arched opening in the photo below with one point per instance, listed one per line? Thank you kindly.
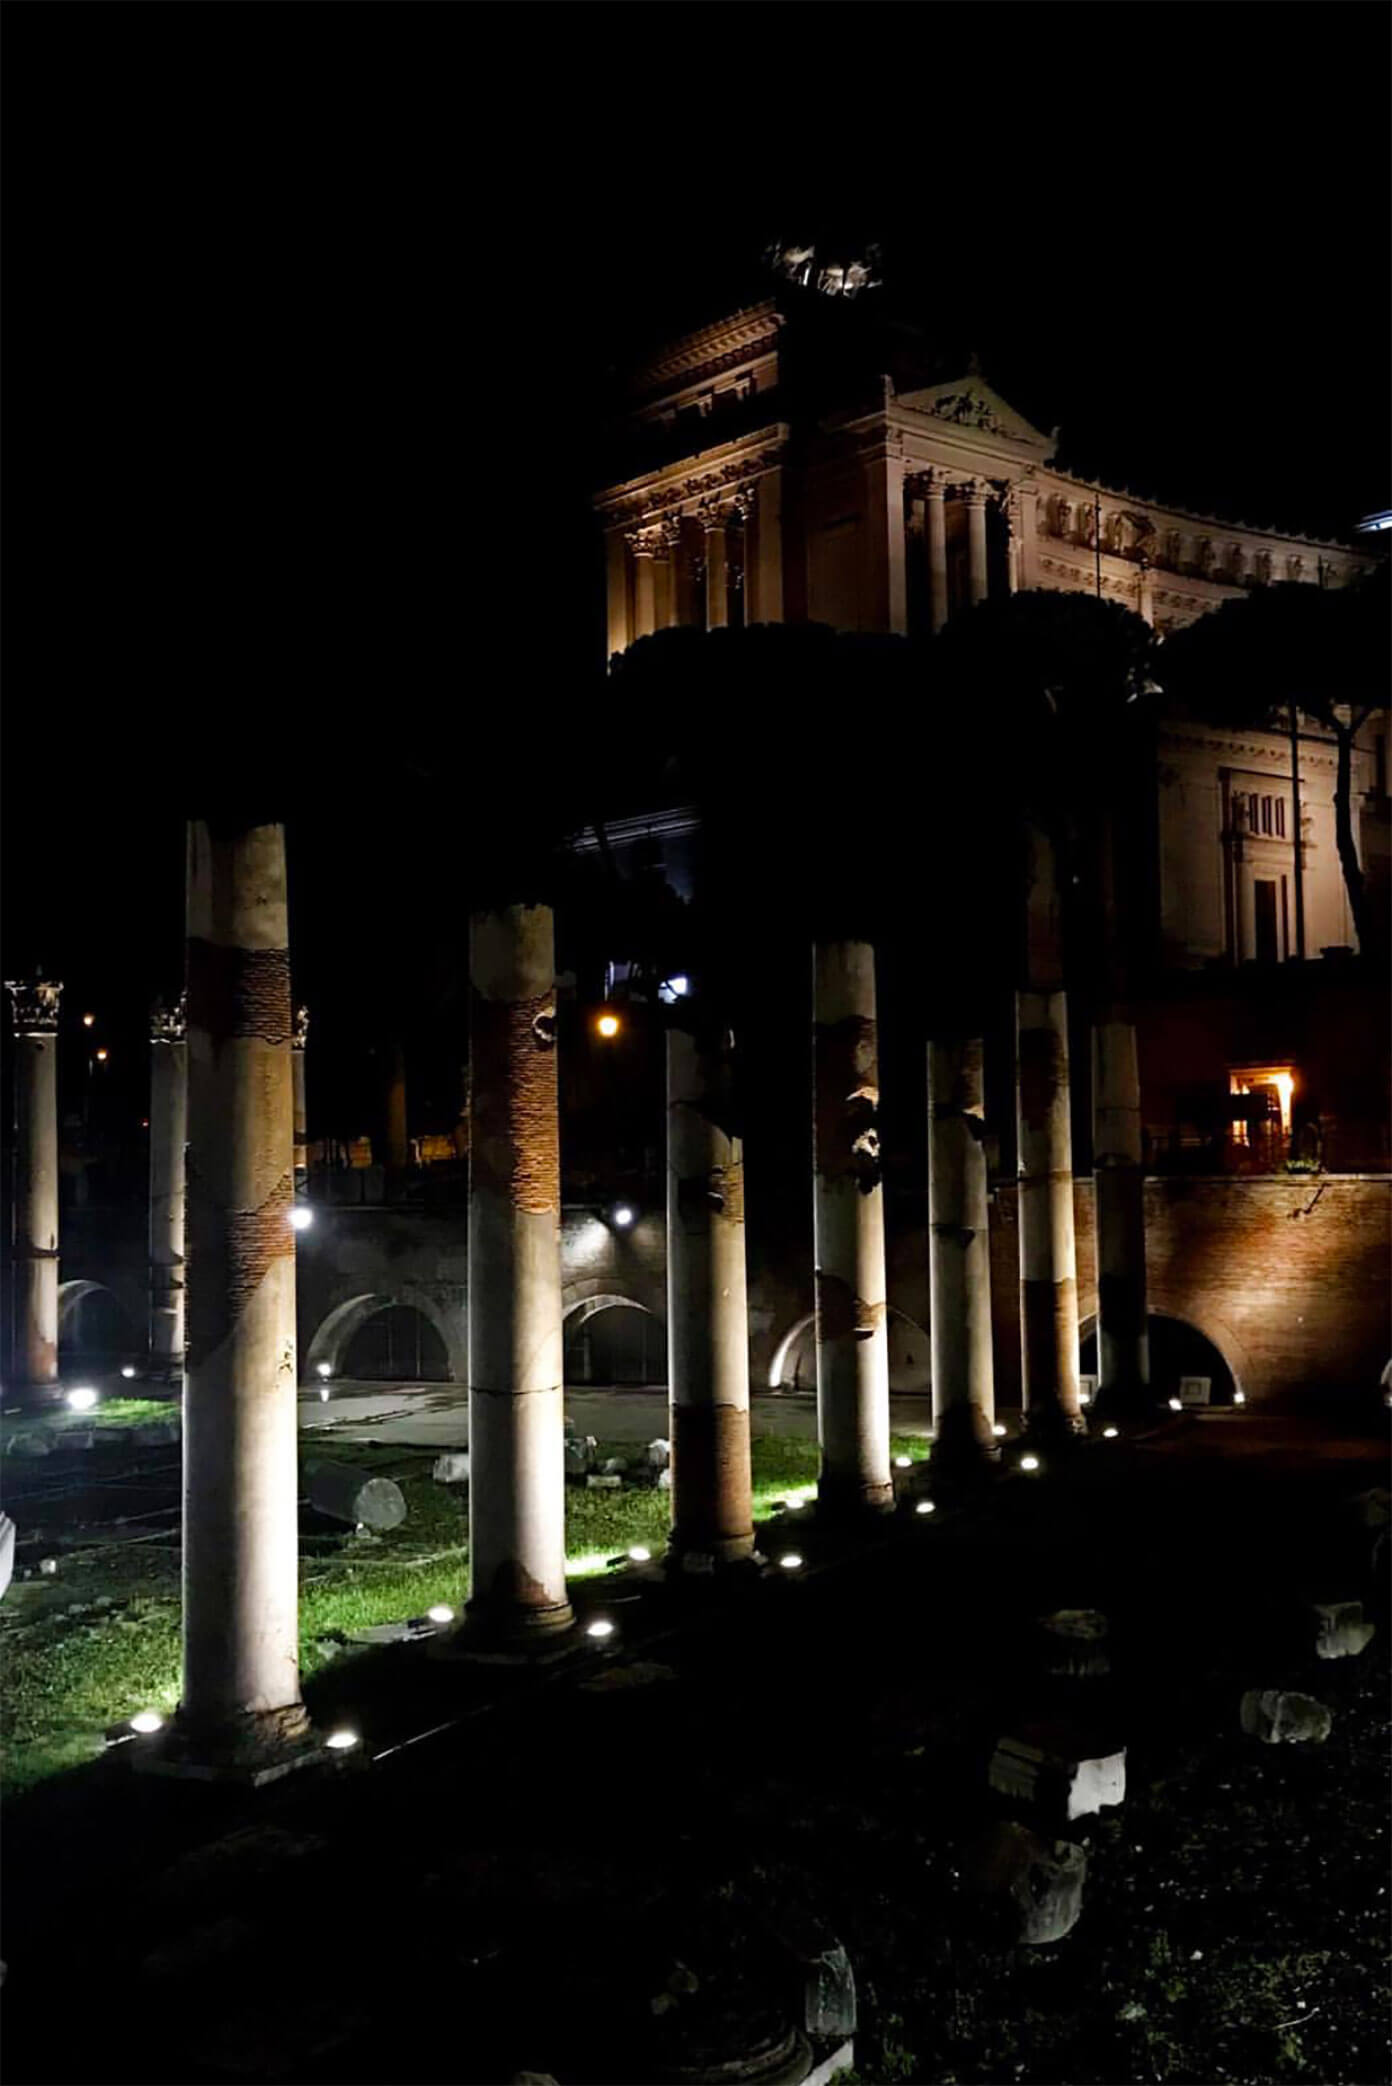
(396, 1344)
(794, 1365)
(93, 1329)
(385, 1339)
(611, 1340)
(1180, 1355)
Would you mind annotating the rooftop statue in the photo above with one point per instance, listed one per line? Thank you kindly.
(840, 278)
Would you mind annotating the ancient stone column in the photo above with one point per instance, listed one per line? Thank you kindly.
(935, 531)
(168, 1137)
(1048, 1262)
(717, 584)
(241, 1683)
(298, 1043)
(516, 1410)
(1123, 1344)
(644, 549)
(959, 1252)
(848, 1229)
(976, 541)
(34, 1003)
(707, 1310)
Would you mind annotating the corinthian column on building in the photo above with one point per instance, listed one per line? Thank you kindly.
(299, 1042)
(168, 1137)
(959, 1252)
(848, 1227)
(516, 1399)
(644, 546)
(715, 521)
(935, 537)
(977, 584)
(707, 1308)
(1048, 1258)
(241, 1682)
(34, 1003)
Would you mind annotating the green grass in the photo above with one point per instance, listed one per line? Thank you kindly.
(109, 1412)
(69, 1676)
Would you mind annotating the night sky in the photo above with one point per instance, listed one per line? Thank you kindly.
(309, 321)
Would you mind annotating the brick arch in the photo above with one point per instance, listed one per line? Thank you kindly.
(584, 1298)
(334, 1335)
(1208, 1325)
(72, 1294)
(783, 1350)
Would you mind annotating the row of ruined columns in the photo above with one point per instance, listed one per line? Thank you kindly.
(227, 1074)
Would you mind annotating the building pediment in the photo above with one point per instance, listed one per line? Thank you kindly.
(969, 402)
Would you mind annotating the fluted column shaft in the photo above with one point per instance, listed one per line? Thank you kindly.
(35, 1231)
(168, 1138)
(240, 1624)
(707, 1306)
(848, 1225)
(976, 544)
(644, 591)
(935, 532)
(959, 1250)
(516, 1399)
(717, 576)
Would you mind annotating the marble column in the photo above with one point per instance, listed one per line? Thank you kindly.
(168, 1138)
(644, 551)
(762, 507)
(1048, 1258)
(935, 536)
(976, 541)
(848, 1228)
(959, 1252)
(886, 540)
(707, 1307)
(299, 1042)
(1123, 1343)
(34, 1003)
(717, 573)
(516, 1400)
(241, 1685)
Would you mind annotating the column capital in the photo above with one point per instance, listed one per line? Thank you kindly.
(34, 1004)
(975, 491)
(169, 1024)
(646, 542)
(300, 1034)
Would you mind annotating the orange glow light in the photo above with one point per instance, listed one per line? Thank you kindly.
(87, 1020)
(101, 1057)
(608, 1024)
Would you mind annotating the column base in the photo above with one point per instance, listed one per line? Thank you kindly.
(1050, 1424)
(251, 1750)
(837, 1501)
(529, 1637)
(963, 1441)
(1127, 1404)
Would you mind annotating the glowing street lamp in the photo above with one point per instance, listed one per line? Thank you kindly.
(301, 1217)
(88, 1020)
(608, 1026)
(623, 1215)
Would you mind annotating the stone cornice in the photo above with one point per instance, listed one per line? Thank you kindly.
(1251, 534)
(708, 350)
(1271, 746)
(643, 500)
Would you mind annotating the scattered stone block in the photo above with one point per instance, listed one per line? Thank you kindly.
(824, 1975)
(31, 1444)
(664, 1481)
(451, 1469)
(345, 1493)
(605, 1482)
(1074, 1643)
(1340, 1631)
(1035, 1886)
(1278, 1718)
(7, 1551)
(659, 1454)
(1053, 1776)
(579, 1454)
(48, 1568)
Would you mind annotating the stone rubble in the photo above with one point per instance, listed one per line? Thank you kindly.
(1340, 1631)
(1278, 1718)
(1035, 1885)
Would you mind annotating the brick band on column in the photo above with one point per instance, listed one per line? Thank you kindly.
(848, 1225)
(516, 1395)
(707, 1305)
(241, 1692)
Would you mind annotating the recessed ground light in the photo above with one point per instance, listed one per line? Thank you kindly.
(82, 1399)
(1239, 1397)
(790, 1562)
(1176, 1405)
(998, 1430)
(1029, 1463)
(301, 1218)
(602, 1628)
(341, 1741)
(440, 1613)
(926, 1506)
(1109, 1434)
(903, 1463)
(323, 1369)
(146, 1720)
(128, 1372)
(640, 1553)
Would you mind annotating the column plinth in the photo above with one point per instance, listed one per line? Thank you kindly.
(848, 1227)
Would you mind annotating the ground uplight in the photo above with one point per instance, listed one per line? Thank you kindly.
(903, 1463)
(790, 1561)
(1029, 1463)
(82, 1399)
(998, 1431)
(1176, 1405)
(600, 1628)
(440, 1613)
(129, 1371)
(146, 1720)
(925, 1506)
(640, 1553)
(301, 1218)
(341, 1741)
(1109, 1434)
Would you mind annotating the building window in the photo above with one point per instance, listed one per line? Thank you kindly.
(1261, 1113)
(1280, 818)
